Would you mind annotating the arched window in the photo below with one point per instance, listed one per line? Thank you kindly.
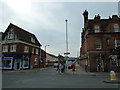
(116, 28)
(97, 28)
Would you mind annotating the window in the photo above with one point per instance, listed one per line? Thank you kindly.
(96, 28)
(116, 28)
(32, 40)
(117, 42)
(33, 50)
(25, 61)
(13, 48)
(5, 48)
(26, 49)
(7, 62)
(107, 42)
(10, 35)
(113, 61)
(37, 51)
(98, 44)
(36, 61)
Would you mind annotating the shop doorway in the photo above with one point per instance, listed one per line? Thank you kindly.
(17, 64)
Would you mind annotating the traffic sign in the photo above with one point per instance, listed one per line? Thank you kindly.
(66, 53)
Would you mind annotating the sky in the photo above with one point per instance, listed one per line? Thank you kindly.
(46, 19)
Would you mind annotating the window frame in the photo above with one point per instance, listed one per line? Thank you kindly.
(117, 43)
(37, 51)
(13, 48)
(26, 48)
(116, 27)
(98, 47)
(5, 48)
(96, 28)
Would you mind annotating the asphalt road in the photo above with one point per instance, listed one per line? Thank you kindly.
(51, 79)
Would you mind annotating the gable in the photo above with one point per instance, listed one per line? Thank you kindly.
(21, 34)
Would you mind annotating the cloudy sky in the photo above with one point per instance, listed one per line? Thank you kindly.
(47, 20)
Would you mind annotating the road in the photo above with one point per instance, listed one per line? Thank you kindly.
(49, 78)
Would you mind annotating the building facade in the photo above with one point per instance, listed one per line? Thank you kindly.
(1, 49)
(50, 58)
(99, 36)
(20, 48)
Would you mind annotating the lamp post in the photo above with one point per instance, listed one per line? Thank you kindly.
(46, 54)
(67, 53)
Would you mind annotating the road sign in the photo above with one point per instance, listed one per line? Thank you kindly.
(66, 53)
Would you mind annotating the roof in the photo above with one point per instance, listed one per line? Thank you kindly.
(103, 22)
(52, 55)
(22, 34)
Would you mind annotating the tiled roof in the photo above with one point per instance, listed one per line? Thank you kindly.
(22, 34)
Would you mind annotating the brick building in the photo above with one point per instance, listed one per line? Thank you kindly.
(99, 36)
(51, 59)
(1, 49)
(21, 49)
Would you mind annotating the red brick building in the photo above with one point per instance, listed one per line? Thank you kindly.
(99, 36)
(21, 49)
(1, 49)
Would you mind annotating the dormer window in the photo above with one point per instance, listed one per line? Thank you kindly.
(10, 35)
(97, 28)
(116, 28)
(32, 40)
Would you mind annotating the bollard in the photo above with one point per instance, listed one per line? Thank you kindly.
(112, 75)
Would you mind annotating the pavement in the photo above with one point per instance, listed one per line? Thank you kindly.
(24, 71)
(81, 71)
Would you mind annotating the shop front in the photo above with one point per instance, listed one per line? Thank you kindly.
(16, 61)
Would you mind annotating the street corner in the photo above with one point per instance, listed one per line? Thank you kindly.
(112, 81)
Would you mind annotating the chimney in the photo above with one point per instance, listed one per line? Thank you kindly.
(97, 17)
(85, 14)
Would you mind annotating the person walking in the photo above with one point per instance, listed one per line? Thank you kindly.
(73, 67)
(86, 67)
(58, 68)
(62, 68)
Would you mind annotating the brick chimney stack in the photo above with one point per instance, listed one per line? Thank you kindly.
(85, 14)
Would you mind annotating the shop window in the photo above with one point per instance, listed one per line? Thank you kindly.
(7, 63)
(98, 44)
(25, 61)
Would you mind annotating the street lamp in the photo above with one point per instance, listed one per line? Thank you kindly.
(67, 53)
(46, 53)
(46, 46)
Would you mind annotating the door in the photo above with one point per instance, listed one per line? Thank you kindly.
(17, 64)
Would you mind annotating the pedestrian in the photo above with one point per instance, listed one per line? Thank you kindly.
(58, 68)
(73, 67)
(62, 68)
(86, 67)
